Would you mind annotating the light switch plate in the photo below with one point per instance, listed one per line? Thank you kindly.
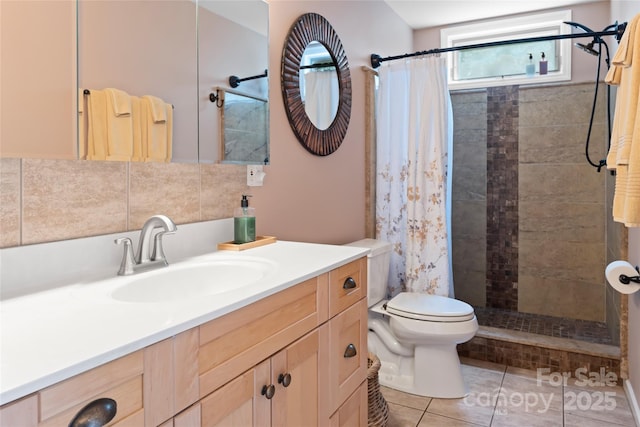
(255, 175)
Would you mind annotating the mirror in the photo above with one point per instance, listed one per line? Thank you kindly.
(140, 48)
(170, 55)
(233, 42)
(301, 49)
(319, 88)
(245, 128)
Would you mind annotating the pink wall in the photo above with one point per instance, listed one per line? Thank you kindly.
(583, 66)
(307, 197)
(31, 125)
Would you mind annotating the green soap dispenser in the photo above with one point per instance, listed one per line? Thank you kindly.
(244, 222)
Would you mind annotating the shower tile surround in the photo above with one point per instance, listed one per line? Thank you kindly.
(542, 234)
(550, 222)
(502, 197)
(50, 200)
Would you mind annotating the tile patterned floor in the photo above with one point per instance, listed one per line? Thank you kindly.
(583, 330)
(501, 396)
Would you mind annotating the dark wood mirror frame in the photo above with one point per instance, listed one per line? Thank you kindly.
(313, 27)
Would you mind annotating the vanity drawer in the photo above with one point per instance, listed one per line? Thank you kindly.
(120, 380)
(348, 352)
(245, 337)
(347, 285)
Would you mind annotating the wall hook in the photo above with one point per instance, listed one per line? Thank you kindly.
(216, 98)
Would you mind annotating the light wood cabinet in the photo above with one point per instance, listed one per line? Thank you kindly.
(120, 380)
(354, 411)
(273, 392)
(306, 345)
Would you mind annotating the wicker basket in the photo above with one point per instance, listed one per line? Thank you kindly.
(378, 408)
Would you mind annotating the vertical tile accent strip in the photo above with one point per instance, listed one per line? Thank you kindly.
(502, 198)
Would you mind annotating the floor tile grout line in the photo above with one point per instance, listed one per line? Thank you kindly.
(493, 413)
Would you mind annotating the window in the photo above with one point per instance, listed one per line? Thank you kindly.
(506, 64)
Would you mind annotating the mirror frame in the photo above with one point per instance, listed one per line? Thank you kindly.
(307, 28)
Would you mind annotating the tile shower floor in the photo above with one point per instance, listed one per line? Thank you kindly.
(583, 330)
(504, 396)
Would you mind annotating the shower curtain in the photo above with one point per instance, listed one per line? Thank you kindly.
(320, 103)
(414, 135)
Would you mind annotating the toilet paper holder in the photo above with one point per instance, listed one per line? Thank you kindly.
(624, 279)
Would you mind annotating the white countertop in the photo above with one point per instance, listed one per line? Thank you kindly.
(52, 335)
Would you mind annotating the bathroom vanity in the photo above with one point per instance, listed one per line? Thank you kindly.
(289, 349)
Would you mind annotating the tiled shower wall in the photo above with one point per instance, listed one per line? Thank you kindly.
(50, 200)
(553, 239)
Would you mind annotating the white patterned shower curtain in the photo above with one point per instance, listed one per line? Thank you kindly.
(414, 134)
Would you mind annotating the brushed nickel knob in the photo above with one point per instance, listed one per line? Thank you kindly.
(284, 379)
(268, 391)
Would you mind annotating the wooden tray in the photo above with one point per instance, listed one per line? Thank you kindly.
(260, 241)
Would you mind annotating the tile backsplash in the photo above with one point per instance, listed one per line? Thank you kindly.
(51, 200)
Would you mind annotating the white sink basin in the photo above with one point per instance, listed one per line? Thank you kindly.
(193, 280)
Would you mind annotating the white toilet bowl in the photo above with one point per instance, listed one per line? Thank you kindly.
(417, 350)
(415, 335)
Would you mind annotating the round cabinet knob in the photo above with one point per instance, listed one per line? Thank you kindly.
(349, 283)
(95, 414)
(268, 391)
(284, 379)
(350, 351)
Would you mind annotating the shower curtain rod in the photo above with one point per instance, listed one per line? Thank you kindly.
(234, 81)
(376, 59)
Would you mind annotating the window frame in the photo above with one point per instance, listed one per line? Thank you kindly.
(505, 29)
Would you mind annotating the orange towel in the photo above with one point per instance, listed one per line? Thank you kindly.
(119, 125)
(136, 114)
(156, 129)
(158, 111)
(82, 125)
(624, 154)
(97, 126)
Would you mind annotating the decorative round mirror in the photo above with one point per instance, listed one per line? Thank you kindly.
(315, 63)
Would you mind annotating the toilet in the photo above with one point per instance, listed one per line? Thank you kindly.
(415, 335)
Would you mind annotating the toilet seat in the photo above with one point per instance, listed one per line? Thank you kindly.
(433, 308)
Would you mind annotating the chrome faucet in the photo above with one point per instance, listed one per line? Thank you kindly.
(148, 255)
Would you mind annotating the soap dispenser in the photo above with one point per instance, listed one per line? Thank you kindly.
(244, 222)
(531, 67)
(543, 64)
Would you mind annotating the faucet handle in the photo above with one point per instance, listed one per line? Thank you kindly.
(158, 251)
(128, 261)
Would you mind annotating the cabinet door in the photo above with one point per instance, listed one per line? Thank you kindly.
(231, 344)
(190, 417)
(239, 403)
(348, 352)
(354, 411)
(297, 373)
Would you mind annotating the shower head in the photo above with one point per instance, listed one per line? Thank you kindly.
(588, 48)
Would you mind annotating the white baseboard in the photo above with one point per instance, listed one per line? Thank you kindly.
(633, 401)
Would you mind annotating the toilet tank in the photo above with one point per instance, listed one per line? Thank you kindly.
(378, 261)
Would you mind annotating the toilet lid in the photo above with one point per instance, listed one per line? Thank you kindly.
(429, 307)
